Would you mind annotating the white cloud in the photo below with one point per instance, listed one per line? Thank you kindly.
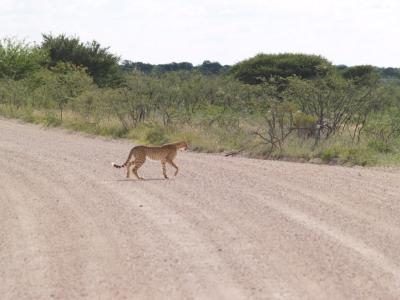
(160, 31)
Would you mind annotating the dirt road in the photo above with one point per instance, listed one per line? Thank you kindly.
(72, 227)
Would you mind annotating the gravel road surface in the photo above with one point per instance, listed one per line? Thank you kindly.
(72, 227)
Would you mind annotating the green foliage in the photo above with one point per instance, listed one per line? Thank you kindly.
(173, 67)
(15, 94)
(278, 115)
(390, 73)
(361, 75)
(358, 156)
(358, 71)
(383, 130)
(64, 83)
(383, 73)
(342, 115)
(100, 63)
(265, 66)
(333, 101)
(51, 120)
(330, 153)
(304, 124)
(206, 68)
(129, 66)
(212, 68)
(155, 136)
(19, 59)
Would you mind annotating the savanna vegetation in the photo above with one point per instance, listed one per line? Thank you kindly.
(283, 106)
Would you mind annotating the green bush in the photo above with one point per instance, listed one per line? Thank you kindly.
(379, 146)
(114, 131)
(283, 65)
(51, 120)
(27, 115)
(156, 136)
(316, 114)
(329, 154)
(358, 156)
(383, 130)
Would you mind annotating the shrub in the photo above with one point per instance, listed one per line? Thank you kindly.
(51, 120)
(383, 130)
(329, 154)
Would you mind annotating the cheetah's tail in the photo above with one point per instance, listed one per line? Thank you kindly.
(118, 166)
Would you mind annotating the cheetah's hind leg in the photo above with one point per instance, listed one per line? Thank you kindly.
(136, 167)
(128, 169)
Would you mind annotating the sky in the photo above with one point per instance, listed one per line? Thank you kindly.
(350, 32)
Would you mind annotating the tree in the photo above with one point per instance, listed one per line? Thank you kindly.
(334, 101)
(210, 68)
(134, 99)
(278, 114)
(65, 82)
(129, 66)
(383, 129)
(101, 65)
(390, 73)
(14, 93)
(19, 59)
(264, 66)
(173, 67)
(361, 75)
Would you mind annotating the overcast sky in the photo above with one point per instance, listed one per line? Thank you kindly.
(161, 31)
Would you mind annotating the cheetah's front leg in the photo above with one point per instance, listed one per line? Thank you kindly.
(164, 168)
(174, 165)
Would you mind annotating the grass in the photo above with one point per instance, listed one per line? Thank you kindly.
(146, 133)
(214, 139)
